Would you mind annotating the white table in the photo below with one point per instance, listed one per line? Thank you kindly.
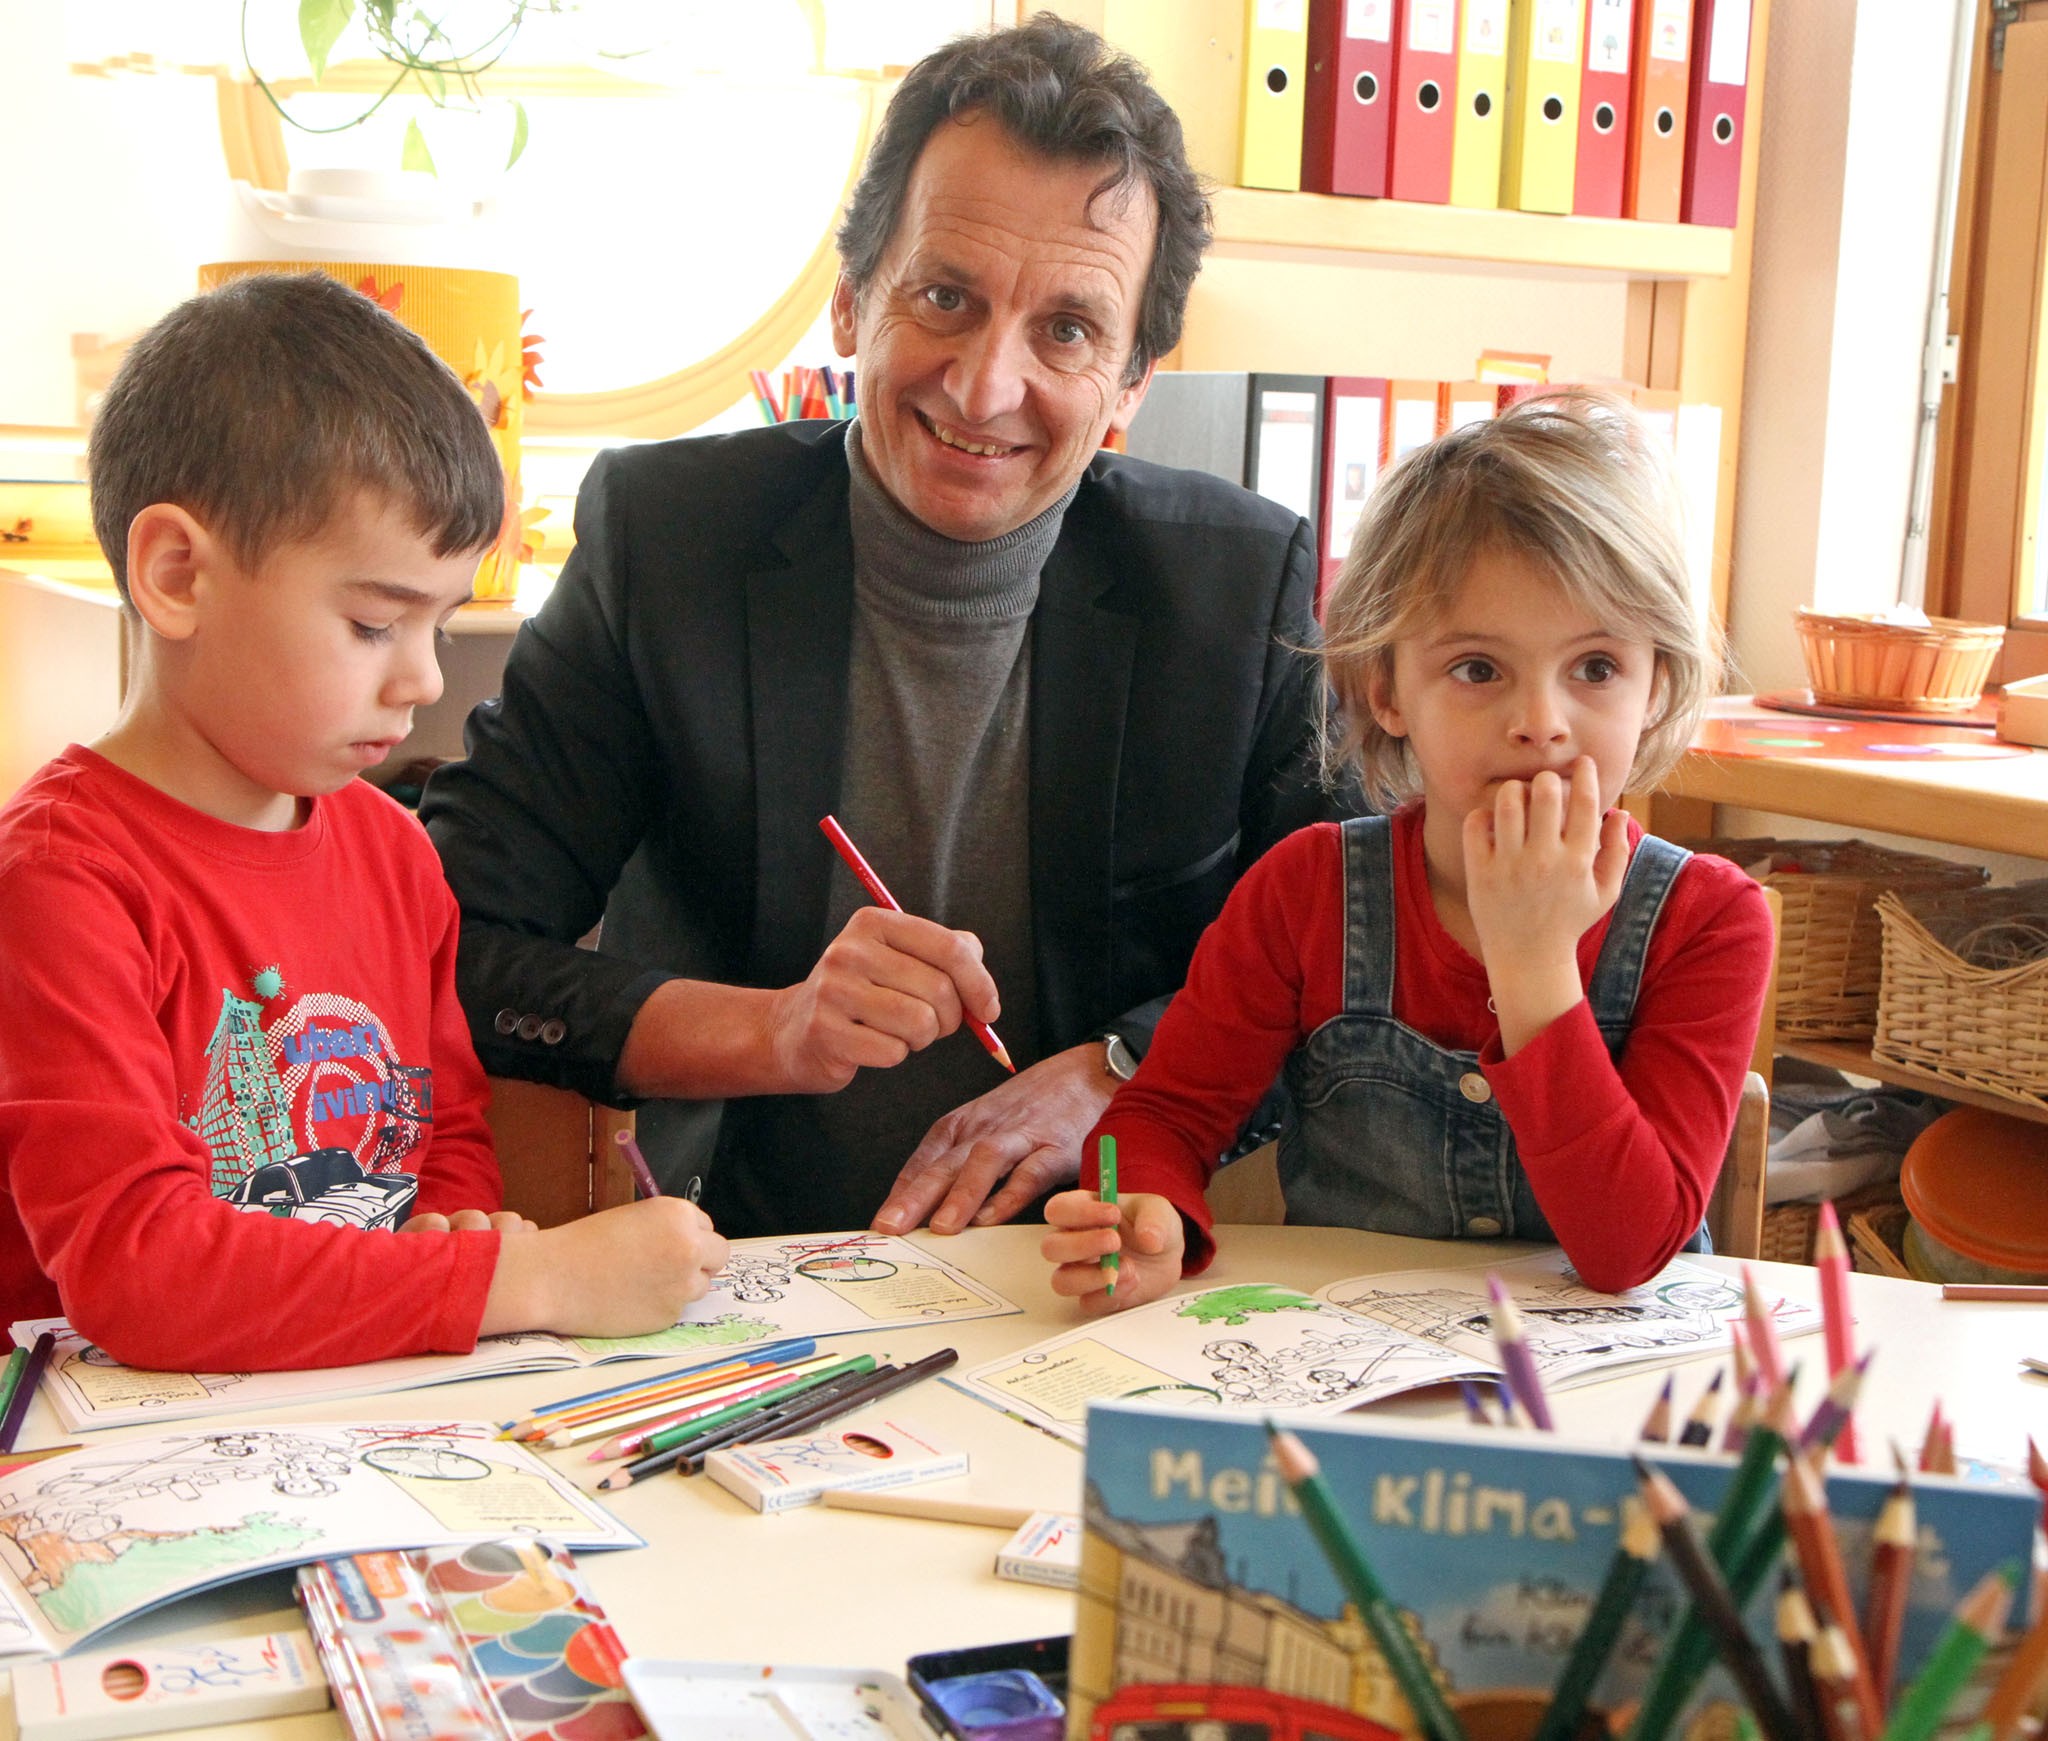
(720, 1581)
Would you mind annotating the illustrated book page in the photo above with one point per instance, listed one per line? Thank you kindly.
(1574, 1334)
(110, 1530)
(1254, 1346)
(820, 1284)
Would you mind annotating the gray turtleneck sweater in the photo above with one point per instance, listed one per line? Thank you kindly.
(935, 790)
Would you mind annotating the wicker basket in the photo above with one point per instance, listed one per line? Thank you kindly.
(1983, 1026)
(1830, 946)
(1938, 668)
(1789, 1227)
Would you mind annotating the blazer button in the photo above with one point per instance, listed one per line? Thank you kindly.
(1476, 1089)
(506, 1021)
(529, 1027)
(1482, 1227)
(553, 1031)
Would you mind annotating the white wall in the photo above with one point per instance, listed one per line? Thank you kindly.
(1845, 240)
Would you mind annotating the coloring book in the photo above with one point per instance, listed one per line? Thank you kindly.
(107, 1531)
(1204, 1594)
(818, 1284)
(1259, 1346)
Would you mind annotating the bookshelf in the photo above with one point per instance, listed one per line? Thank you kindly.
(1685, 287)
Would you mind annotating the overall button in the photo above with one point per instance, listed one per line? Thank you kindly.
(506, 1021)
(553, 1031)
(1475, 1088)
(529, 1027)
(1482, 1226)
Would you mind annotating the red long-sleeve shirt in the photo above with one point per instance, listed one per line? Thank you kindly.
(183, 1001)
(1622, 1156)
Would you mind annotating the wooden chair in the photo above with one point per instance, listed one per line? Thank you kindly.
(556, 1151)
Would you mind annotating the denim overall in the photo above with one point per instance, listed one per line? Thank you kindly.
(1392, 1132)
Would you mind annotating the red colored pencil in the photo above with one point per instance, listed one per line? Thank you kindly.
(879, 893)
(1894, 1543)
(1831, 1258)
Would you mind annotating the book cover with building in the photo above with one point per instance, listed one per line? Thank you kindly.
(1203, 1594)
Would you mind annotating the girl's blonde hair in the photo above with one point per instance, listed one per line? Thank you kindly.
(1571, 483)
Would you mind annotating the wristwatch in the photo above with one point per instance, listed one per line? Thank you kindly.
(1117, 1058)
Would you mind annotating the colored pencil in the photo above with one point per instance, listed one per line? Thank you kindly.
(627, 1436)
(643, 1174)
(1930, 1445)
(878, 891)
(1303, 1474)
(10, 1378)
(1838, 1323)
(1820, 1564)
(1598, 1637)
(1735, 1435)
(1656, 1427)
(620, 1411)
(1796, 1637)
(1105, 1160)
(2018, 1293)
(1763, 1331)
(1834, 1680)
(1834, 1417)
(764, 396)
(1715, 1603)
(25, 1389)
(2013, 1696)
(1894, 1540)
(1979, 1619)
(762, 1354)
(2037, 1467)
(896, 1503)
(882, 1383)
(1699, 1423)
(1475, 1404)
(1515, 1357)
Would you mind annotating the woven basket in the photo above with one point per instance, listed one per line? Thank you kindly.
(1830, 945)
(1789, 1227)
(1939, 668)
(1984, 1027)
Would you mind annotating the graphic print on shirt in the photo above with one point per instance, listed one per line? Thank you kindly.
(311, 1118)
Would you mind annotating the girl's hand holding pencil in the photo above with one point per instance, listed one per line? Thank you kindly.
(628, 1271)
(1142, 1231)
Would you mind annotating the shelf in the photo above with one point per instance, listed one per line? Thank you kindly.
(1249, 217)
(1856, 1059)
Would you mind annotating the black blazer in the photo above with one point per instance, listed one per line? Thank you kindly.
(671, 729)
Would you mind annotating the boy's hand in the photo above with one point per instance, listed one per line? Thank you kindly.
(1541, 866)
(888, 985)
(1145, 1228)
(627, 1271)
(470, 1221)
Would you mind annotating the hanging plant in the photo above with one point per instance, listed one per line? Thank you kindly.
(421, 53)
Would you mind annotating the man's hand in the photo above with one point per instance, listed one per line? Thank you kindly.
(1144, 1229)
(470, 1221)
(1024, 1134)
(888, 985)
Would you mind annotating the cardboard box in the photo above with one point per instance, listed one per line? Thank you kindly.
(2023, 711)
(780, 1473)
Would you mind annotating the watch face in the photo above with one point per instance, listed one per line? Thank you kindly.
(1117, 1058)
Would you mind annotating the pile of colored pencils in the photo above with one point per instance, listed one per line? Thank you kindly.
(805, 393)
(779, 1389)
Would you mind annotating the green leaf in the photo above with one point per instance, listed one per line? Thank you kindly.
(518, 132)
(321, 23)
(416, 155)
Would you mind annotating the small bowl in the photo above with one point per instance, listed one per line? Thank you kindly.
(1937, 667)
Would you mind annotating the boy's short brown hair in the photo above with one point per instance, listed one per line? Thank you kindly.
(1570, 483)
(259, 406)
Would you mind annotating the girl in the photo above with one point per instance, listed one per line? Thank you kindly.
(1503, 1011)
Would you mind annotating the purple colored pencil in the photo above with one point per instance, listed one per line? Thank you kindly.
(643, 1174)
(1515, 1358)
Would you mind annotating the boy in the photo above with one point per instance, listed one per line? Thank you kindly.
(229, 1040)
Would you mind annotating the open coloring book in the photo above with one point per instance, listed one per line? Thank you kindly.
(1258, 1346)
(818, 1284)
(110, 1530)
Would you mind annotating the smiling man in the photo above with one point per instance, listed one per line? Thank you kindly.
(1059, 698)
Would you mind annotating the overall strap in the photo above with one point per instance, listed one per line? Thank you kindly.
(1618, 973)
(1369, 921)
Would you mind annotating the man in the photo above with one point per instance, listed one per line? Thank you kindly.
(1058, 698)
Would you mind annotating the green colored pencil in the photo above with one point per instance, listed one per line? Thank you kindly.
(1625, 1573)
(754, 1404)
(1347, 1559)
(10, 1378)
(1106, 1160)
(1978, 1621)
